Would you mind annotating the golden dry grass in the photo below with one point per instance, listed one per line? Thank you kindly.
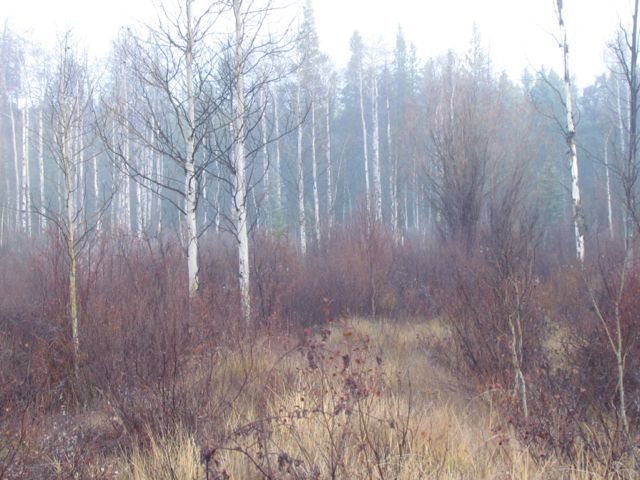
(292, 421)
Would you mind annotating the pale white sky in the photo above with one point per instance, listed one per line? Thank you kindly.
(518, 33)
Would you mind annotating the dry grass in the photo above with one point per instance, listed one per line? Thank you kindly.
(296, 421)
(169, 457)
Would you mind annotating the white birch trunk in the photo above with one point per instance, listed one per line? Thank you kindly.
(159, 167)
(148, 198)
(416, 201)
(314, 173)
(205, 195)
(405, 194)
(26, 183)
(240, 193)
(65, 125)
(3, 167)
(300, 183)
(191, 181)
(621, 128)
(256, 208)
(578, 217)
(608, 185)
(377, 176)
(79, 161)
(276, 176)
(218, 205)
(365, 152)
(265, 157)
(16, 166)
(69, 175)
(623, 147)
(139, 197)
(42, 223)
(393, 177)
(330, 198)
(96, 193)
(115, 177)
(126, 180)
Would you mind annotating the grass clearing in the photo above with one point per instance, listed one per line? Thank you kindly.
(300, 421)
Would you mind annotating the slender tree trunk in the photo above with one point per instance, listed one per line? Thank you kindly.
(416, 203)
(139, 193)
(69, 175)
(148, 199)
(191, 181)
(630, 178)
(330, 181)
(205, 196)
(300, 183)
(80, 184)
(2, 208)
(623, 138)
(314, 173)
(240, 197)
(126, 179)
(630, 174)
(157, 200)
(578, 215)
(69, 186)
(114, 217)
(517, 356)
(16, 167)
(264, 147)
(365, 151)
(41, 166)
(377, 176)
(3, 165)
(218, 205)
(608, 184)
(620, 363)
(393, 177)
(256, 207)
(26, 183)
(405, 194)
(276, 174)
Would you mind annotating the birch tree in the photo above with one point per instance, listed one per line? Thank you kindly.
(239, 157)
(173, 68)
(25, 194)
(377, 175)
(309, 77)
(357, 48)
(302, 221)
(578, 214)
(67, 106)
(611, 315)
(331, 178)
(246, 72)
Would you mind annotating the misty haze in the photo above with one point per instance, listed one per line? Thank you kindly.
(268, 239)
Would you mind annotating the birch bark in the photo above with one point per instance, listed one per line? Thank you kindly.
(240, 192)
(191, 181)
(377, 176)
(314, 173)
(26, 198)
(330, 181)
(578, 215)
(300, 182)
(365, 152)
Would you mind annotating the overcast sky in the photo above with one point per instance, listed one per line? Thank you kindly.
(518, 33)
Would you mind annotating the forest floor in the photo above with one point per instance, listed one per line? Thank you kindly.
(362, 399)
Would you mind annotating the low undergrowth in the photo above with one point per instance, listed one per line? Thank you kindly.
(367, 359)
